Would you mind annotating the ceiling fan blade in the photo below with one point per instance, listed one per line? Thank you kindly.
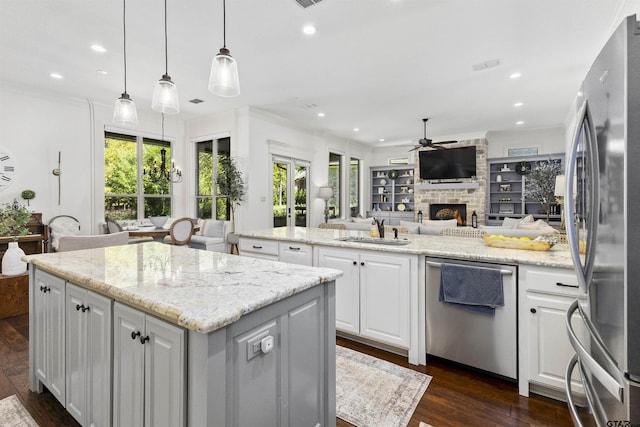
(445, 142)
(415, 148)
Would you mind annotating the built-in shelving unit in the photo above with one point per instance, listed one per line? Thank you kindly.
(395, 196)
(506, 189)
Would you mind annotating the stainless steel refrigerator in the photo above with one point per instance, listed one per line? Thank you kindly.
(603, 215)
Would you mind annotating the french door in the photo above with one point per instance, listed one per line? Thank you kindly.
(290, 191)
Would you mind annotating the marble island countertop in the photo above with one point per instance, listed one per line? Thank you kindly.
(196, 289)
(438, 246)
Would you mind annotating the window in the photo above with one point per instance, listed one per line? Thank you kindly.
(206, 195)
(354, 186)
(335, 174)
(131, 191)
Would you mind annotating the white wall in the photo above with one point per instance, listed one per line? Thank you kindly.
(255, 137)
(547, 141)
(36, 127)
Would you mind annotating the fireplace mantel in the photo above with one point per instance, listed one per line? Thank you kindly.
(448, 186)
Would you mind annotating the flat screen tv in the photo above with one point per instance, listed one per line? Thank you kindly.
(451, 163)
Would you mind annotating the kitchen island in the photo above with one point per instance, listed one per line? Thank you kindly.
(189, 337)
(383, 296)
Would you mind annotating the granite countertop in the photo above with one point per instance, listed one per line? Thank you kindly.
(438, 246)
(196, 289)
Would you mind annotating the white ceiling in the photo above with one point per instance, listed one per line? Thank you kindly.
(378, 65)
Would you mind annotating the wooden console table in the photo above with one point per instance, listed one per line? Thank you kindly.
(14, 295)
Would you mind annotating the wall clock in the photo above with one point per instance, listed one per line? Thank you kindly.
(7, 169)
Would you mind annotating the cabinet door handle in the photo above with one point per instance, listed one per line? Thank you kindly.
(565, 285)
(144, 339)
(355, 262)
(45, 289)
(293, 248)
(257, 247)
(135, 334)
(85, 308)
(533, 310)
(78, 307)
(362, 263)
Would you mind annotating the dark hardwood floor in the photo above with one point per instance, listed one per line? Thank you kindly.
(455, 396)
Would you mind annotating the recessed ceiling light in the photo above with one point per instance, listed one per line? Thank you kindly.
(103, 72)
(514, 75)
(518, 104)
(309, 29)
(519, 122)
(55, 75)
(356, 129)
(321, 114)
(381, 140)
(98, 48)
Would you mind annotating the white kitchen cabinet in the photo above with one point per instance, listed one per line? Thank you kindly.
(549, 293)
(291, 252)
(148, 370)
(88, 322)
(372, 297)
(295, 253)
(49, 331)
(258, 248)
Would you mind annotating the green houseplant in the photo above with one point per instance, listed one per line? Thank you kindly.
(230, 184)
(13, 224)
(28, 195)
(541, 183)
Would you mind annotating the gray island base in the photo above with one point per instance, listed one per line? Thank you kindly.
(153, 334)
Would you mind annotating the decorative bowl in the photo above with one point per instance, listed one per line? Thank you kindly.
(158, 221)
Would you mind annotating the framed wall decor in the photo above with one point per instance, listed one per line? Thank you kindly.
(524, 151)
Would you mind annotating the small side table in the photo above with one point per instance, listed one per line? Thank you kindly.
(232, 239)
(14, 295)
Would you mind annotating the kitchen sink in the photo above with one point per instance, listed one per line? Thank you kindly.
(375, 240)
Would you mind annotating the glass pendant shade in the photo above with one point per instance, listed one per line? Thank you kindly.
(165, 96)
(124, 111)
(223, 80)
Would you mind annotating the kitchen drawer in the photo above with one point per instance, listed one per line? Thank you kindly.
(296, 253)
(551, 280)
(258, 248)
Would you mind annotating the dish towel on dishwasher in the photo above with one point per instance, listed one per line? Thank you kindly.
(476, 289)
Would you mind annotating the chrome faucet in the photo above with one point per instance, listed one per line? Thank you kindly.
(395, 233)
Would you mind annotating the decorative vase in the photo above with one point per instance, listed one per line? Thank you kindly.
(12, 264)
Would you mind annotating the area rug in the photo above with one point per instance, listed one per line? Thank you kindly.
(13, 414)
(371, 392)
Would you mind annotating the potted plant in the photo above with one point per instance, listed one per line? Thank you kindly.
(28, 195)
(13, 224)
(230, 184)
(541, 183)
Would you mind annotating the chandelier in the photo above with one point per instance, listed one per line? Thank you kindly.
(161, 172)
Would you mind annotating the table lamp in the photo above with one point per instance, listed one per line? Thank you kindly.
(325, 193)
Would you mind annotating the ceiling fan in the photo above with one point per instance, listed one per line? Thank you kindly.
(428, 143)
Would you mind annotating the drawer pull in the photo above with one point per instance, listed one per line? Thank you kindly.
(355, 263)
(135, 334)
(533, 310)
(84, 308)
(293, 248)
(257, 247)
(78, 307)
(565, 285)
(144, 339)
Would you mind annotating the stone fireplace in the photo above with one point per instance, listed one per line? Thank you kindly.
(449, 211)
(471, 193)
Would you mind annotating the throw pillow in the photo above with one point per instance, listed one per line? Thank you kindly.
(367, 220)
(412, 227)
(510, 222)
(440, 223)
(213, 228)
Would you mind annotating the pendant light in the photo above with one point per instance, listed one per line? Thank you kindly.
(124, 112)
(165, 93)
(223, 80)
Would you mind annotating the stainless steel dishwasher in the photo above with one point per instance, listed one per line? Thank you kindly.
(479, 340)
